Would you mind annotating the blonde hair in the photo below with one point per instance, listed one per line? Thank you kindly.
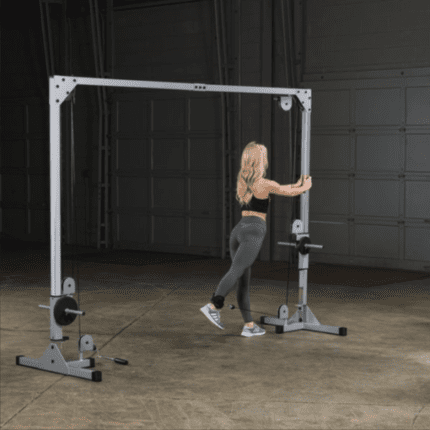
(252, 167)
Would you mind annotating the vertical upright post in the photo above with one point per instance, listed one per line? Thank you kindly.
(55, 188)
(304, 205)
(305, 168)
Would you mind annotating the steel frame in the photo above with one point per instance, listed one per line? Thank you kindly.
(63, 306)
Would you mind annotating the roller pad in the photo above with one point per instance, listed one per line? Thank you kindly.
(218, 301)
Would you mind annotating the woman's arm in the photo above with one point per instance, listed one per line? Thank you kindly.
(286, 190)
(294, 190)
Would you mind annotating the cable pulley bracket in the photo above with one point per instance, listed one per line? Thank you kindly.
(86, 343)
(285, 102)
(69, 286)
(304, 98)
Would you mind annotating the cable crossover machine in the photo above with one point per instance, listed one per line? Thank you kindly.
(64, 308)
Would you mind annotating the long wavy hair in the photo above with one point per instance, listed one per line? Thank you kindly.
(253, 166)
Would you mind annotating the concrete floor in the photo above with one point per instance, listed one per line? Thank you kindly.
(185, 373)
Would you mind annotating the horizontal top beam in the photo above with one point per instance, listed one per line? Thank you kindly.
(61, 86)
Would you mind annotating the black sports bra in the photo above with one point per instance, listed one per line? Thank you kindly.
(258, 205)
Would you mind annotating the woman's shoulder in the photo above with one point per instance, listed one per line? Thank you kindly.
(261, 188)
(262, 184)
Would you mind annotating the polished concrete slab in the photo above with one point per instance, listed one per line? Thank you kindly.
(185, 373)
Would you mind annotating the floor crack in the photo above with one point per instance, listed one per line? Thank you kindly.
(416, 416)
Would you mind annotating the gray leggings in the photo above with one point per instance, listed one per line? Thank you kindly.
(246, 240)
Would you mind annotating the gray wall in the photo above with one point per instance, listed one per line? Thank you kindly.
(370, 146)
(167, 166)
(368, 63)
(366, 35)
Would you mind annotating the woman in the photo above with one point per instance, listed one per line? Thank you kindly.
(247, 236)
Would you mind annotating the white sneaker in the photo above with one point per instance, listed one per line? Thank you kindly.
(212, 315)
(254, 331)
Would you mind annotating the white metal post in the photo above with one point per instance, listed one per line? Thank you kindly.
(304, 205)
(55, 187)
(306, 167)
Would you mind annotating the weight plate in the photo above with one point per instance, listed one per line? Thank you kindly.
(61, 317)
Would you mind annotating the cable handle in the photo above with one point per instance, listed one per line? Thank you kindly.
(116, 360)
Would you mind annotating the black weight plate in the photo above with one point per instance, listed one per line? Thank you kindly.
(61, 317)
